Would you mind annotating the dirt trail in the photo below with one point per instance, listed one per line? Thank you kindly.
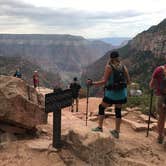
(132, 146)
(132, 149)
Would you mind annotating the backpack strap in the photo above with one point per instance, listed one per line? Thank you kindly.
(120, 85)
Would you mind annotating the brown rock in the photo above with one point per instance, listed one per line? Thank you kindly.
(11, 129)
(145, 118)
(39, 144)
(93, 118)
(139, 126)
(20, 104)
(108, 114)
(91, 146)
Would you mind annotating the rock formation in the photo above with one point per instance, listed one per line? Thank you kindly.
(21, 107)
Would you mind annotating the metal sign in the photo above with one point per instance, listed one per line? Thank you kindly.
(58, 100)
(54, 102)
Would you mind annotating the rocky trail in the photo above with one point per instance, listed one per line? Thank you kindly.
(81, 146)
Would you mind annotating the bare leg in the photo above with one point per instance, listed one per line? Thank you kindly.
(118, 120)
(101, 117)
(117, 124)
(77, 104)
(72, 106)
(161, 122)
(100, 120)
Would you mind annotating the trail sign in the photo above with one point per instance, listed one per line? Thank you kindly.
(58, 100)
(54, 102)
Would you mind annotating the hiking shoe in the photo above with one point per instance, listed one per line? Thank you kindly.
(115, 133)
(97, 129)
(160, 139)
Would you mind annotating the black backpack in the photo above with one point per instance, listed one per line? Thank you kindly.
(119, 79)
(75, 87)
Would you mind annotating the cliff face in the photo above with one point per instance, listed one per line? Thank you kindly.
(153, 40)
(141, 55)
(53, 52)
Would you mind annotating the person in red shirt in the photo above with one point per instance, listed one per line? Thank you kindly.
(35, 79)
(158, 83)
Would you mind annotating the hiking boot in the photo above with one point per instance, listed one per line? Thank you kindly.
(115, 133)
(97, 129)
(160, 139)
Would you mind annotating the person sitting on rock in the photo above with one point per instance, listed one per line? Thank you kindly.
(116, 78)
(75, 88)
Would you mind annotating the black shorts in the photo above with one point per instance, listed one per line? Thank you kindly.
(75, 97)
(109, 101)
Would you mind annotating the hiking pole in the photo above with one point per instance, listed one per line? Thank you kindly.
(150, 111)
(87, 101)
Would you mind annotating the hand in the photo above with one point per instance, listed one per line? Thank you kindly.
(89, 82)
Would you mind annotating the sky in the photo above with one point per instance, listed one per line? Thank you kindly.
(87, 18)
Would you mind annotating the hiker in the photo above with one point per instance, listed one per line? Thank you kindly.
(116, 78)
(36, 79)
(158, 83)
(18, 73)
(75, 88)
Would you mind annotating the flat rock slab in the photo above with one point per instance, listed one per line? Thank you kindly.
(139, 126)
(108, 113)
(145, 118)
(39, 144)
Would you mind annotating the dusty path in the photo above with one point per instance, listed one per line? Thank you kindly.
(132, 147)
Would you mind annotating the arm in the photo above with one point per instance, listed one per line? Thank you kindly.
(154, 78)
(105, 78)
(152, 83)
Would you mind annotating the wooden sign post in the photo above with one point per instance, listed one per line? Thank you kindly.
(54, 102)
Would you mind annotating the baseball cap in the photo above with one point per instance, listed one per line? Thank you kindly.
(114, 54)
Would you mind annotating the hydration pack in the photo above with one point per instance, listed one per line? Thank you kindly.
(119, 79)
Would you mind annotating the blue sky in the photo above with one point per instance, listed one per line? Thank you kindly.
(87, 18)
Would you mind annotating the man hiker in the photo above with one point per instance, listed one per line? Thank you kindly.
(115, 79)
(35, 79)
(75, 88)
(158, 83)
(18, 73)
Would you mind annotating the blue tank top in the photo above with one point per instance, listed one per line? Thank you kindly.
(115, 95)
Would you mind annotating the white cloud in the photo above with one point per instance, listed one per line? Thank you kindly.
(90, 19)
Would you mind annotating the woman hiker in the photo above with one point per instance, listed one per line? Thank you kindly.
(115, 79)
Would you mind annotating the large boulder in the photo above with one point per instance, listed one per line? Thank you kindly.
(20, 105)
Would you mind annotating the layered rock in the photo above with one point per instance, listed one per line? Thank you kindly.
(153, 40)
(51, 51)
(21, 106)
(141, 56)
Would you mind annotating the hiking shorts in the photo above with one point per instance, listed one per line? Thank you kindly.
(160, 103)
(111, 101)
(74, 96)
